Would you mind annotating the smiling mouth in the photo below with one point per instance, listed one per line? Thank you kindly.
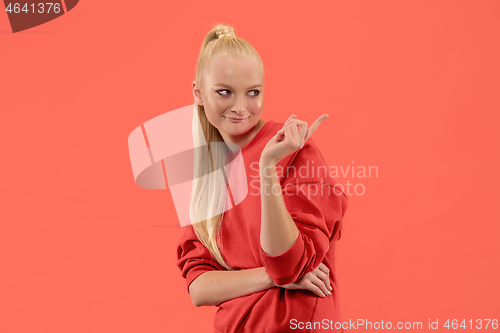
(236, 120)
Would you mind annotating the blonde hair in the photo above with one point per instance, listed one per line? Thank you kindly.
(209, 192)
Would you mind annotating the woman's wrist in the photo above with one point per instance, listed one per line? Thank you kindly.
(267, 162)
(267, 170)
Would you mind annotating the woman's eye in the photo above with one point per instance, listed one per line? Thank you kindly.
(219, 92)
(225, 92)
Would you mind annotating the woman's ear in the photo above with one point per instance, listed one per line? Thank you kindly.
(197, 94)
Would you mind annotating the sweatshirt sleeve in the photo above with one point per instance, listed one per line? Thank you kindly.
(317, 209)
(193, 258)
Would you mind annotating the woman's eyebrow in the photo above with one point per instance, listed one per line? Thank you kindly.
(228, 86)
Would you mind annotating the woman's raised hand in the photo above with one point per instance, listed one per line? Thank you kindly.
(317, 281)
(289, 139)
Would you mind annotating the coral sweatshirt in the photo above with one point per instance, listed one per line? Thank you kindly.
(317, 205)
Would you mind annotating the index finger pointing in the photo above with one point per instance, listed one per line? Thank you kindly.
(314, 126)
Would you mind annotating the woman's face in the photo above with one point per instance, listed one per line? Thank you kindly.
(232, 96)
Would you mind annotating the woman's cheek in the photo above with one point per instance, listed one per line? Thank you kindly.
(221, 105)
(257, 105)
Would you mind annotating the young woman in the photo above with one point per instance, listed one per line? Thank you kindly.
(261, 251)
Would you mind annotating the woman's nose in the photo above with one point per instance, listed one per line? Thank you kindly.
(239, 107)
(238, 111)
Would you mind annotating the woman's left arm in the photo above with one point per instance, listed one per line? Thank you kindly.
(278, 230)
(279, 233)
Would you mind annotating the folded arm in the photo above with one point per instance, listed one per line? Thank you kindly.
(215, 287)
(208, 282)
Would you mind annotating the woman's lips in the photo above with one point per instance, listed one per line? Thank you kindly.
(236, 120)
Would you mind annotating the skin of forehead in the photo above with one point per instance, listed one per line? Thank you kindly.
(218, 62)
